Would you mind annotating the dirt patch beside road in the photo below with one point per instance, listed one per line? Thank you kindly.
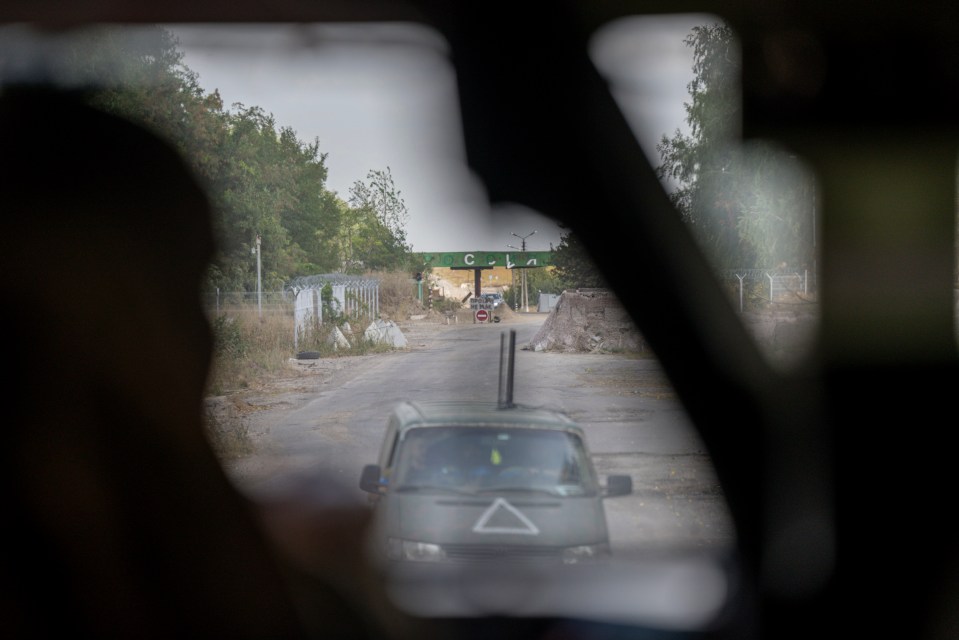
(236, 420)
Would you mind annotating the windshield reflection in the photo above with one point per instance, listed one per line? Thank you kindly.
(473, 460)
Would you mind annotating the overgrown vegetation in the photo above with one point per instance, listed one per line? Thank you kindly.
(447, 305)
(251, 349)
(397, 295)
(248, 348)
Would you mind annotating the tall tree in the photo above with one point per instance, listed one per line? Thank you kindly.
(750, 206)
(139, 74)
(252, 192)
(386, 200)
(374, 236)
(262, 180)
(573, 265)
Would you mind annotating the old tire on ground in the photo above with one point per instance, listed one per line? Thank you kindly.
(307, 355)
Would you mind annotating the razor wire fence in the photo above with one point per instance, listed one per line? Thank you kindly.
(772, 285)
(311, 301)
(332, 298)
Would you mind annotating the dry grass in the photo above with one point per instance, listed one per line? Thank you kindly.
(252, 350)
(398, 296)
(249, 348)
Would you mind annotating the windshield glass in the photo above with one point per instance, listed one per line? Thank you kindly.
(265, 248)
(751, 205)
(359, 263)
(481, 460)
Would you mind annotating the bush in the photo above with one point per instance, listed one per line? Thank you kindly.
(227, 339)
(248, 348)
(398, 296)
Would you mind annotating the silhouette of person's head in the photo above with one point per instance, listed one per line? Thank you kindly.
(119, 520)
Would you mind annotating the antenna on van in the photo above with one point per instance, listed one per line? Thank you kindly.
(506, 352)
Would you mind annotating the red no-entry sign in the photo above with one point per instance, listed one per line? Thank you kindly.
(482, 315)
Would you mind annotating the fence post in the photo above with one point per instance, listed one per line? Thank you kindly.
(740, 278)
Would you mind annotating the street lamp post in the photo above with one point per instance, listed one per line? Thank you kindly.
(512, 271)
(523, 274)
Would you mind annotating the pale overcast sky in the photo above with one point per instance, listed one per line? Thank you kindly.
(378, 97)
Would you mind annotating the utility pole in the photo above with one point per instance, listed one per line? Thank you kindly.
(259, 288)
(523, 273)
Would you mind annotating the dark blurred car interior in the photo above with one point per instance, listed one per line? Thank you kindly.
(838, 472)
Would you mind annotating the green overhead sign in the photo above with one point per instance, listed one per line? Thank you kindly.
(488, 259)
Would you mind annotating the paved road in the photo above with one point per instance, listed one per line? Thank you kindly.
(633, 422)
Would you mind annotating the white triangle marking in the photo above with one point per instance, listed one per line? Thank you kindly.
(528, 527)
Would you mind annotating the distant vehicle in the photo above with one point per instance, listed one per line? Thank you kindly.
(460, 482)
(495, 298)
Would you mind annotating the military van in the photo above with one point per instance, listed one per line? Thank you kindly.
(472, 481)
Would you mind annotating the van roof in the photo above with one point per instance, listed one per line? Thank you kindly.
(452, 413)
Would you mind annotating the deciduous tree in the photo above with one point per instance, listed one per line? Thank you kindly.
(374, 236)
(750, 206)
(573, 265)
(261, 179)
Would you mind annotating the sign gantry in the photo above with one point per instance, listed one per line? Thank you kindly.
(480, 260)
(488, 259)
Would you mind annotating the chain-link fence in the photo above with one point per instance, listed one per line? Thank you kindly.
(217, 301)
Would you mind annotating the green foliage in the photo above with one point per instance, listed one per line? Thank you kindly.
(249, 347)
(540, 280)
(544, 280)
(140, 75)
(332, 313)
(573, 266)
(272, 185)
(749, 206)
(228, 342)
(374, 230)
(261, 179)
